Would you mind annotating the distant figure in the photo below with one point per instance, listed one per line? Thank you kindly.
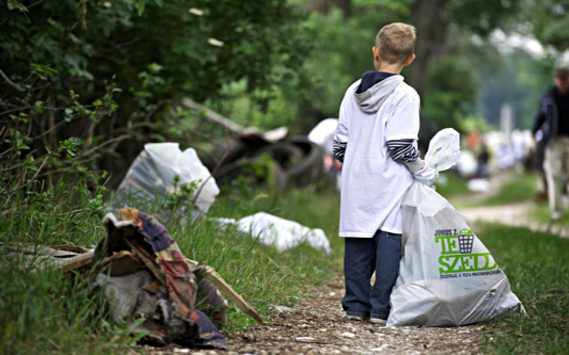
(323, 136)
(552, 126)
(482, 160)
(518, 146)
(505, 155)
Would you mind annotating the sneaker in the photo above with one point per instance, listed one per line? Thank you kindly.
(378, 321)
(358, 318)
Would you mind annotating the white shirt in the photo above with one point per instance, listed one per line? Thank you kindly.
(323, 134)
(373, 184)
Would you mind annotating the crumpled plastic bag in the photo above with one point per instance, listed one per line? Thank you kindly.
(444, 150)
(152, 174)
(447, 277)
(280, 232)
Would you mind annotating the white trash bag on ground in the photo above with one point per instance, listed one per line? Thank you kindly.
(152, 173)
(447, 277)
(280, 232)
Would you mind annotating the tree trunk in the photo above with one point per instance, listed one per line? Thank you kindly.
(431, 20)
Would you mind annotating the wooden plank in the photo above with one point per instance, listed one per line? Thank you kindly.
(228, 291)
(120, 264)
(76, 262)
(148, 260)
(213, 116)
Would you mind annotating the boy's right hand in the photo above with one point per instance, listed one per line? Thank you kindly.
(426, 175)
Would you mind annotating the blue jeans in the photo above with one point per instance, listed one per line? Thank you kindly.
(363, 256)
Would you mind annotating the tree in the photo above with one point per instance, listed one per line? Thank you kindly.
(549, 20)
(157, 54)
(433, 18)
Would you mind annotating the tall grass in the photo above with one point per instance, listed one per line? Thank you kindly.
(46, 312)
(537, 268)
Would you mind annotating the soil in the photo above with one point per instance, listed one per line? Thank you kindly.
(515, 214)
(318, 325)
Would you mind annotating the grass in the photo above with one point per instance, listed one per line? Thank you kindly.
(537, 268)
(521, 188)
(542, 214)
(47, 313)
(449, 184)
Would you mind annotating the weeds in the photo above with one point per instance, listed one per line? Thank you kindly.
(48, 313)
(537, 270)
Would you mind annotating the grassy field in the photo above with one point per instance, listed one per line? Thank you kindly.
(522, 187)
(46, 313)
(537, 268)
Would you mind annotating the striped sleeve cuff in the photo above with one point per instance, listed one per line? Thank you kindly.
(339, 150)
(403, 150)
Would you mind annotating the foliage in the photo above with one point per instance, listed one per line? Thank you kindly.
(518, 79)
(450, 93)
(341, 53)
(536, 268)
(156, 52)
(549, 21)
(199, 44)
(482, 17)
(46, 180)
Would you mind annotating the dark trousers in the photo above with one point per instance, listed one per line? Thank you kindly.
(363, 256)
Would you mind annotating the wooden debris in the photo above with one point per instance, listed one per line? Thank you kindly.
(120, 264)
(229, 292)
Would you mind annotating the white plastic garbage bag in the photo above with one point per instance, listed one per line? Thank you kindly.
(282, 233)
(152, 173)
(447, 277)
(444, 150)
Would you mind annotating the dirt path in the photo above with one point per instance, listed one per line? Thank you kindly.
(512, 214)
(317, 325)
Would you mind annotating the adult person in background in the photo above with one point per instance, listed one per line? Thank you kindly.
(551, 128)
(323, 136)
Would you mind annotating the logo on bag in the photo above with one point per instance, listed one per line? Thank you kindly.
(457, 259)
(436, 151)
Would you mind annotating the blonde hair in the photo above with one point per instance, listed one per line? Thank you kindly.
(396, 43)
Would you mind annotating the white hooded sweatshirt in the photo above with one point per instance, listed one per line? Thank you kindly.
(373, 184)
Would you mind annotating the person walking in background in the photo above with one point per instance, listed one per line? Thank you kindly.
(551, 128)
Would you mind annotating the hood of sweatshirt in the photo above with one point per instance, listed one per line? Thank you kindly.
(374, 89)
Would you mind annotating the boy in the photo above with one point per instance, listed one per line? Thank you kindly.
(377, 142)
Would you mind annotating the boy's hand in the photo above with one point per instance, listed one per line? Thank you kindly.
(426, 175)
